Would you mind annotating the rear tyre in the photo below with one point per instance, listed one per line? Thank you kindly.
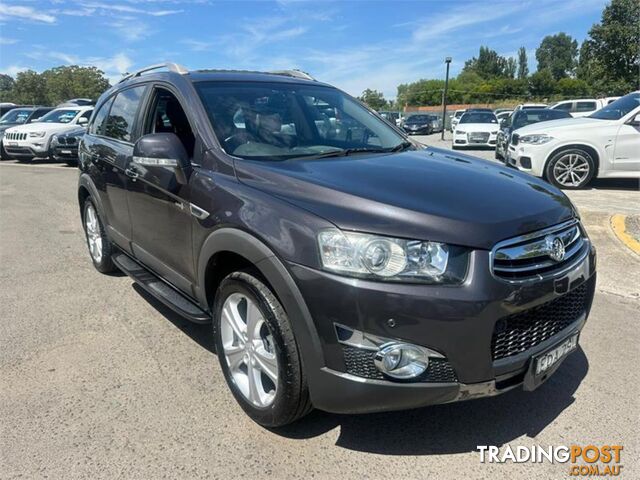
(258, 352)
(100, 248)
(570, 169)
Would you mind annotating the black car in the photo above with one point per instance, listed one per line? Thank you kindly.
(421, 124)
(19, 116)
(342, 268)
(64, 146)
(522, 118)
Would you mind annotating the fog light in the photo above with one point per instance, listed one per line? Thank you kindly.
(401, 360)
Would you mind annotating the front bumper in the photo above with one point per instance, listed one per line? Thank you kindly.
(26, 148)
(64, 152)
(464, 140)
(458, 322)
(528, 158)
(423, 129)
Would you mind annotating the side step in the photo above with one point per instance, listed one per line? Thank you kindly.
(160, 290)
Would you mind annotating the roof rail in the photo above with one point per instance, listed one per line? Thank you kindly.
(293, 73)
(172, 67)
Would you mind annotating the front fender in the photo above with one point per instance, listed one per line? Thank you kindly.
(274, 271)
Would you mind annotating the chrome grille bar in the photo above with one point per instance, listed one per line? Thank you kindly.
(530, 256)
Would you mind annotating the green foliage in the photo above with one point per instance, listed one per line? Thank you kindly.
(489, 64)
(558, 54)
(523, 64)
(55, 85)
(30, 88)
(610, 57)
(6, 85)
(572, 87)
(374, 99)
(542, 83)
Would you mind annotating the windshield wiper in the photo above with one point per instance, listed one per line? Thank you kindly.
(401, 147)
(342, 153)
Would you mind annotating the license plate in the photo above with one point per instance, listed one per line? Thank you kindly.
(551, 357)
(12, 144)
(66, 152)
(477, 138)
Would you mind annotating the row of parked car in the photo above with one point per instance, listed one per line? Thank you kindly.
(29, 132)
(568, 143)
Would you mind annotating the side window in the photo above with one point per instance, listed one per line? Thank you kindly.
(123, 114)
(566, 107)
(168, 116)
(585, 106)
(87, 114)
(97, 127)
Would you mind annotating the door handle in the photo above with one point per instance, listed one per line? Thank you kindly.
(131, 173)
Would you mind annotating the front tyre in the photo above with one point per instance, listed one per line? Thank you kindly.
(100, 248)
(258, 352)
(571, 169)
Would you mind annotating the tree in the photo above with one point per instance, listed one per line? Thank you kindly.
(610, 57)
(30, 88)
(73, 81)
(558, 54)
(542, 83)
(510, 68)
(374, 99)
(6, 87)
(572, 87)
(488, 64)
(523, 64)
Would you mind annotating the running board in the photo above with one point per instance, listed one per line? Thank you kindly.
(166, 294)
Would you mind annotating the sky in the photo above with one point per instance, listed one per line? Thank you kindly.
(353, 44)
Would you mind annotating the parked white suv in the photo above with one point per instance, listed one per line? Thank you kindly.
(26, 142)
(570, 152)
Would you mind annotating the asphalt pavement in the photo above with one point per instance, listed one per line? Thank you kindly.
(98, 380)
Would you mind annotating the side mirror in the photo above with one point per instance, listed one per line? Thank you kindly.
(635, 121)
(164, 151)
(83, 121)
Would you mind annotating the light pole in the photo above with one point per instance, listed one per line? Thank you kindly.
(444, 96)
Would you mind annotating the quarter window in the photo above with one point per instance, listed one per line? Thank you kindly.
(97, 127)
(564, 106)
(123, 113)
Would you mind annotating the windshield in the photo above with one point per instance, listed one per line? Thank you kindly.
(277, 121)
(478, 117)
(419, 119)
(60, 116)
(528, 117)
(618, 109)
(17, 115)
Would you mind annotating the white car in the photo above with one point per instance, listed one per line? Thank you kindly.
(580, 107)
(476, 129)
(26, 142)
(572, 151)
(456, 118)
(527, 106)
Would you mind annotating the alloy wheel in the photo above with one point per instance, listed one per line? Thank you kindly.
(249, 350)
(571, 170)
(94, 237)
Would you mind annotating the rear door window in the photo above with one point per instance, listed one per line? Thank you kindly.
(122, 115)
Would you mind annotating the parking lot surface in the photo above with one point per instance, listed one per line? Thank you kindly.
(98, 380)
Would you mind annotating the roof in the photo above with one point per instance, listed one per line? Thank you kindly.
(248, 76)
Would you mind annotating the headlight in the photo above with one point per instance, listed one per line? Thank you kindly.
(460, 132)
(536, 139)
(37, 134)
(392, 259)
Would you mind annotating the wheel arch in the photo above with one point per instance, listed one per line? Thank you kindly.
(230, 247)
(86, 188)
(593, 151)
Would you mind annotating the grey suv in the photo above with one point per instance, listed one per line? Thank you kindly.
(342, 266)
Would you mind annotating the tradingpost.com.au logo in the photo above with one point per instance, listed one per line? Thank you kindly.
(585, 461)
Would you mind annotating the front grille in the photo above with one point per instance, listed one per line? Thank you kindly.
(478, 137)
(67, 140)
(538, 254)
(16, 136)
(359, 362)
(520, 332)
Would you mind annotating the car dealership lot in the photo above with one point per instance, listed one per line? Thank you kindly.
(97, 379)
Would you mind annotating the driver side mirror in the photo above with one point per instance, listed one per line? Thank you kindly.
(163, 151)
(83, 121)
